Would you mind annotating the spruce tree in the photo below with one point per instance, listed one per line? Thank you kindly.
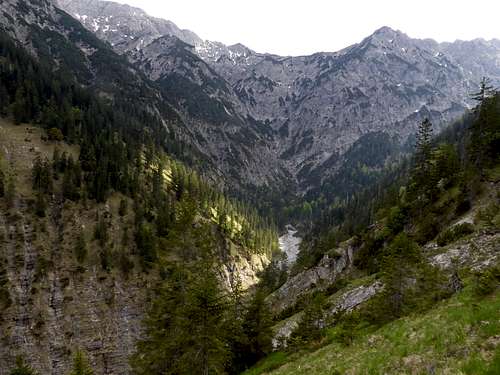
(422, 158)
(257, 325)
(309, 328)
(19, 106)
(486, 90)
(81, 248)
(21, 368)
(81, 365)
(40, 205)
(2, 183)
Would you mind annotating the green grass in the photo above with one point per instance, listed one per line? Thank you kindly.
(459, 336)
(273, 361)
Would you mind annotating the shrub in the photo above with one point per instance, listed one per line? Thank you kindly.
(487, 215)
(397, 219)
(427, 229)
(452, 234)
(487, 281)
(55, 134)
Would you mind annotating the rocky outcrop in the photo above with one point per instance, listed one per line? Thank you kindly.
(345, 302)
(123, 26)
(479, 252)
(243, 270)
(317, 278)
(314, 108)
(58, 308)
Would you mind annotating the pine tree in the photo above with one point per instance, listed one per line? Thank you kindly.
(40, 205)
(422, 165)
(2, 183)
(257, 325)
(484, 140)
(122, 210)
(21, 368)
(81, 365)
(486, 91)
(146, 244)
(4, 100)
(310, 326)
(205, 349)
(19, 106)
(81, 248)
(71, 181)
(186, 327)
(423, 144)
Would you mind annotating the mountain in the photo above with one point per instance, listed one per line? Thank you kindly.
(85, 140)
(189, 121)
(113, 21)
(318, 107)
(122, 248)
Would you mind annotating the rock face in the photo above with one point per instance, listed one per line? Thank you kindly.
(346, 302)
(125, 27)
(317, 278)
(314, 107)
(58, 305)
(479, 252)
(57, 309)
(243, 269)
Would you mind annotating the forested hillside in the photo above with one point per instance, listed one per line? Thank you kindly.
(96, 217)
(422, 247)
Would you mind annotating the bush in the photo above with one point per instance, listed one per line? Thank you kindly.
(452, 234)
(347, 328)
(397, 219)
(427, 229)
(55, 134)
(486, 282)
(488, 215)
(122, 210)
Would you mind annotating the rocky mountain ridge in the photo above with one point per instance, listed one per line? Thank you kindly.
(316, 107)
(196, 120)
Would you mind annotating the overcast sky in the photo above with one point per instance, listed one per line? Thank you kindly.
(297, 27)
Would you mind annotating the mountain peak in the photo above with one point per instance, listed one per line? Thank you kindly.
(386, 30)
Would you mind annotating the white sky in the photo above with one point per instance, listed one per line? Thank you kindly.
(297, 27)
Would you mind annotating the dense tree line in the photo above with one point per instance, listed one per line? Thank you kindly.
(120, 149)
(194, 325)
(181, 223)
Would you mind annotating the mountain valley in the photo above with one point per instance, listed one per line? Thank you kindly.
(174, 205)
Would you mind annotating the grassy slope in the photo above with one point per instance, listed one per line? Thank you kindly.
(19, 146)
(459, 336)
